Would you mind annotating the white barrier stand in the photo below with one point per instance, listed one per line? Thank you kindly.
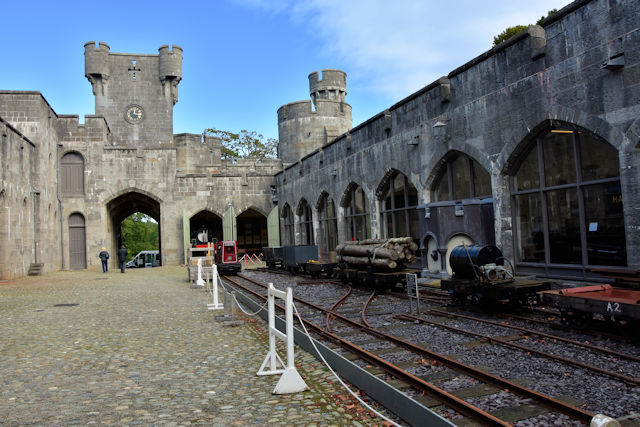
(200, 282)
(290, 381)
(216, 305)
(602, 420)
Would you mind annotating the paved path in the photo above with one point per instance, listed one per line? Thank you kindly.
(140, 348)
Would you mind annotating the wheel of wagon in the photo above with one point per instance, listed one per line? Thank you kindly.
(477, 299)
(580, 319)
(564, 317)
(459, 299)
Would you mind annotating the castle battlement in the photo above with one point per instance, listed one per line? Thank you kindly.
(332, 85)
(305, 126)
(295, 110)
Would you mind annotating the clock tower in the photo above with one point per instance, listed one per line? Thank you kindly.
(135, 92)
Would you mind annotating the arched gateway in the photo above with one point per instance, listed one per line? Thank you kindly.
(120, 207)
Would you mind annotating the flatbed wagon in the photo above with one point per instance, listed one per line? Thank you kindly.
(578, 305)
(375, 279)
(520, 291)
(318, 269)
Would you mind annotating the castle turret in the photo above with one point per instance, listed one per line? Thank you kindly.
(170, 70)
(332, 86)
(96, 65)
(305, 126)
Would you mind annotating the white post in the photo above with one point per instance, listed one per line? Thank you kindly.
(214, 290)
(200, 282)
(290, 381)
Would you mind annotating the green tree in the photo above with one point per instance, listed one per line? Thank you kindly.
(542, 18)
(245, 144)
(139, 233)
(512, 31)
(508, 33)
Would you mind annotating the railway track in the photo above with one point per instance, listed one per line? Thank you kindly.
(416, 369)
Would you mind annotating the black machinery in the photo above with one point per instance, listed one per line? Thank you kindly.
(479, 273)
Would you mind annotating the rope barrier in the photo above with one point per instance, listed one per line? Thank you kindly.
(336, 375)
(362, 402)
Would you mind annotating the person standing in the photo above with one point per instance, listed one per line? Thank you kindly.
(104, 256)
(122, 257)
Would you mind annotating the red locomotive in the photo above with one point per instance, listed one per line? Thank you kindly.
(226, 257)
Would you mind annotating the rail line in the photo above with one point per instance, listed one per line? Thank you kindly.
(418, 383)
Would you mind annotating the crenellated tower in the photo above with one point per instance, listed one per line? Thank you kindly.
(96, 65)
(135, 93)
(170, 70)
(305, 126)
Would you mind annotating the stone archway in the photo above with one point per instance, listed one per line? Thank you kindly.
(122, 206)
(205, 227)
(252, 231)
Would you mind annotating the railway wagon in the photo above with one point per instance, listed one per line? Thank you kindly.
(479, 275)
(374, 279)
(273, 256)
(580, 305)
(296, 257)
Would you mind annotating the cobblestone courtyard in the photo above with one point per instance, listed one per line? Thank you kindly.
(83, 347)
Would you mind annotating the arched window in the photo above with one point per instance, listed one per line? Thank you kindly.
(357, 214)
(72, 175)
(289, 231)
(399, 212)
(462, 178)
(328, 225)
(568, 202)
(306, 222)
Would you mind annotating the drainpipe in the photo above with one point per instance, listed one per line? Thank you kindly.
(60, 205)
(36, 193)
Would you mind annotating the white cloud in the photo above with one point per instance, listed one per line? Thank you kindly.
(395, 48)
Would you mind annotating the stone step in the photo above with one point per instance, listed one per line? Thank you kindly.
(35, 269)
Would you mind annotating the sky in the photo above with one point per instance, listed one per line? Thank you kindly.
(244, 59)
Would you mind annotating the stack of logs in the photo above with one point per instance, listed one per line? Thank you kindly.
(388, 254)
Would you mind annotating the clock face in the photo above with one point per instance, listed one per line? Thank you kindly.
(134, 114)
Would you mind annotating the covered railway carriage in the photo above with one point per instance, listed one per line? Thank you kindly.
(479, 275)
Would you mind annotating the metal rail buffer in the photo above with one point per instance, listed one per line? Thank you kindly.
(290, 381)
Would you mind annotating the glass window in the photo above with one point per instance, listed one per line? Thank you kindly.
(461, 176)
(605, 225)
(328, 226)
(442, 188)
(399, 215)
(559, 159)
(529, 226)
(289, 231)
(357, 215)
(578, 223)
(481, 180)
(599, 160)
(564, 226)
(459, 170)
(306, 224)
(528, 176)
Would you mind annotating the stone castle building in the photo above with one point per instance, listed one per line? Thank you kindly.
(66, 187)
(533, 146)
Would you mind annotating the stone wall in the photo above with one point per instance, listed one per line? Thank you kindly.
(490, 108)
(128, 166)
